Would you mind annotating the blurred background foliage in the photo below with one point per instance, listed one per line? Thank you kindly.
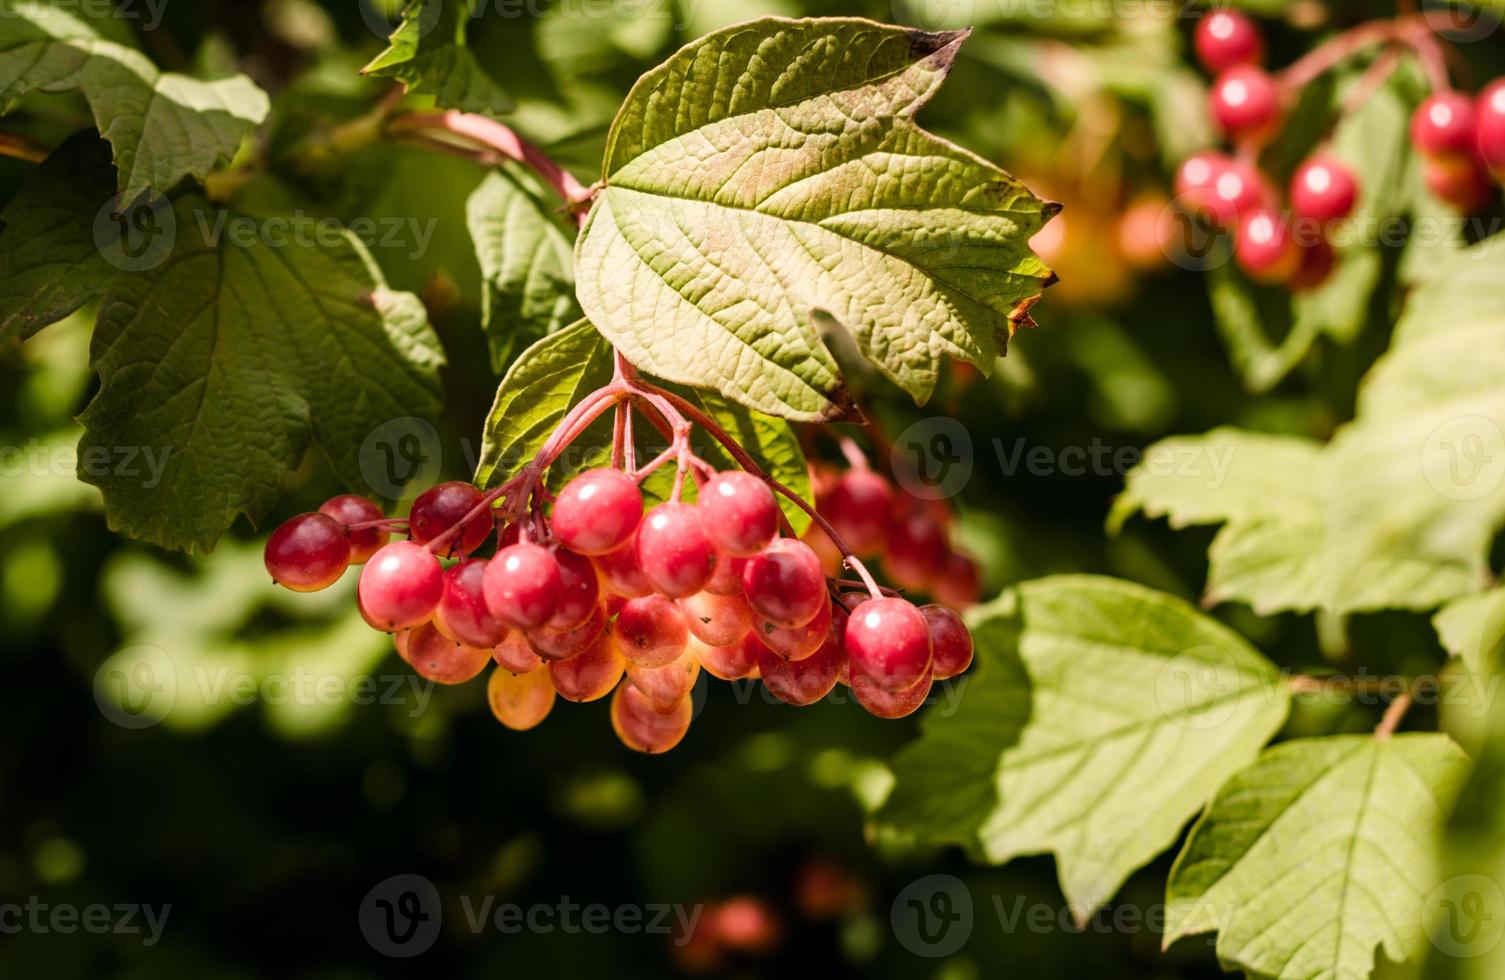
(264, 823)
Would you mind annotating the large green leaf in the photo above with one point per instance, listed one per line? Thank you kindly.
(772, 172)
(221, 355)
(163, 126)
(1473, 629)
(1317, 855)
(1139, 708)
(428, 54)
(1400, 508)
(527, 260)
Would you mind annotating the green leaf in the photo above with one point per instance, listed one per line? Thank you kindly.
(1473, 629)
(1139, 708)
(428, 54)
(163, 126)
(771, 172)
(1317, 855)
(48, 269)
(1400, 508)
(527, 261)
(545, 381)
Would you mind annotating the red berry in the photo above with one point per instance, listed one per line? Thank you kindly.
(440, 508)
(1459, 181)
(1244, 102)
(1323, 190)
(597, 511)
(1265, 249)
(801, 641)
(1199, 173)
(579, 590)
(620, 573)
(727, 577)
(438, 658)
(960, 583)
(520, 701)
(888, 641)
(462, 614)
(807, 680)
(719, 620)
(400, 587)
(1317, 262)
(889, 704)
(349, 509)
(860, 507)
(651, 631)
(673, 550)
(307, 553)
(1227, 38)
(739, 513)
(514, 654)
(589, 674)
(642, 726)
(1490, 116)
(950, 641)
(729, 663)
(1239, 189)
(557, 644)
(784, 583)
(1444, 125)
(523, 585)
(916, 550)
(665, 686)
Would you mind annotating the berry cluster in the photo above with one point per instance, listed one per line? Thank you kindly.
(598, 590)
(1273, 244)
(1462, 142)
(909, 536)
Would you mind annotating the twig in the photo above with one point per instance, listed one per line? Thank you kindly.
(1393, 714)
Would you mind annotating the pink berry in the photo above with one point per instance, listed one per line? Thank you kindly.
(579, 589)
(400, 587)
(727, 577)
(801, 641)
(1490, 119)
(462, 613)
(729, 663)
(644, 727)
(590, 674)
(916, 550)
(889, 704)
(440, 659)
(1244, 102)
(960, 582)
(520, 701)
(804, 681)
(1227, 38)
(307, 553)
(440, 508)
(515, 655)
(1317, 262)
(888, 641)
(621, 575)
(719, 620)
(673, 550)
(739, 513)
(950, 641)
(523, 585)
(348, 509)
(1323, 190)
(651, 631)
(785, 584)
(562, 644)
(1459, 181)
(1264, 249)
(597, 511)
(860, 507)
(1199, 172)
(1444, 125)
(665, 686)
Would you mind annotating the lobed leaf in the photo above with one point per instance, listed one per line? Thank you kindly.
(428, 54)
(771, 173)
(1319, 854)
(163, 126)
(1138, 708)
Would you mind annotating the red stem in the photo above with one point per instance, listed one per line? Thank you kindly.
(503, 139)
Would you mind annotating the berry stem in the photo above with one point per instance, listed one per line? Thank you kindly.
(1380, 69)
(1394, 714)
(1333, 52)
